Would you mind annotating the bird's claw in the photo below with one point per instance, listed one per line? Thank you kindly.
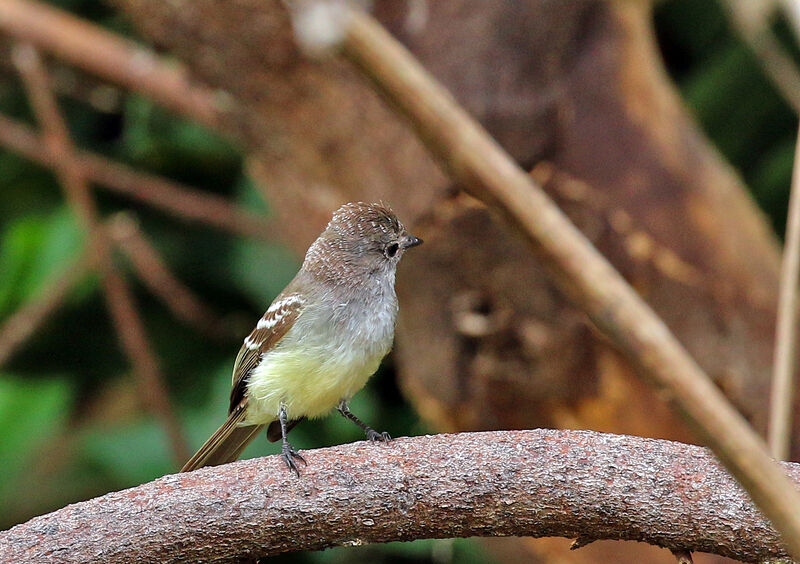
(289, 455)
(375, 436)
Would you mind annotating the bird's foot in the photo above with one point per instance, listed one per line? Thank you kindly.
(374, 436)
(289, 456)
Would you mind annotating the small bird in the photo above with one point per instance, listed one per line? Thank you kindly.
(320, 340)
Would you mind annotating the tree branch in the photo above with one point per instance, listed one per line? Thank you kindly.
(182, 201)
(522, 483)
(69, 81)
(109, 56)
(477, 161)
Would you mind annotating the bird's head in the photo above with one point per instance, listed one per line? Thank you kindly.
(360, 240)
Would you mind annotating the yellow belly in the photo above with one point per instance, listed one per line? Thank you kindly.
(309, 382)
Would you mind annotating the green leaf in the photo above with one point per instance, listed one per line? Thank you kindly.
(32, 251)
(155, 138)
(60, 245)
(17, 248)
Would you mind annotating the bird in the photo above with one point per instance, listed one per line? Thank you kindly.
(321, 338)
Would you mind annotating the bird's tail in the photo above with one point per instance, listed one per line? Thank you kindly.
(226, 444)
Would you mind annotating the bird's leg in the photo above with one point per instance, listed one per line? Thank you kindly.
(287, 451)
(372, 434)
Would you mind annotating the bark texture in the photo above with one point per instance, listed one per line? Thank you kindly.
(574, 90)
(576, 484)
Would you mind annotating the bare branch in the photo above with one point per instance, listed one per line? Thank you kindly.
(502, 483)
(119, 299)
(27, 319)
(156, 275)
(109, 56)
(487, 172)
(782, 395)
(182, 201)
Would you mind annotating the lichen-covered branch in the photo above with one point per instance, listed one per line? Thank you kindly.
(522, 483)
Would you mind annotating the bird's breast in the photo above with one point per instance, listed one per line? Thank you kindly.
(328, 355)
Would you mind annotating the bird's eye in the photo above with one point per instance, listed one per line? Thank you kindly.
(391, 250)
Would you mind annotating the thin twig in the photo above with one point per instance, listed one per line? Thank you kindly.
(133, 337)
(156, 275)
(27, 319)
(751, 19)
(502, 483)
(119, 299)
(184, 202)
(782, 397)
(479, 164)
(115, 59)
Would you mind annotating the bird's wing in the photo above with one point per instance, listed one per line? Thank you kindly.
(271, 328)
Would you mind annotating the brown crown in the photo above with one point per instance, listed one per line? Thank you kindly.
(361, 219)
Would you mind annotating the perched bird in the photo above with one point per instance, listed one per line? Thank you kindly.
(320, 340)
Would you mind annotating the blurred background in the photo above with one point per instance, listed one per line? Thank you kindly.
(654, 126)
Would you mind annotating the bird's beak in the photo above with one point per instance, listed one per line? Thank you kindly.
(410, 241)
